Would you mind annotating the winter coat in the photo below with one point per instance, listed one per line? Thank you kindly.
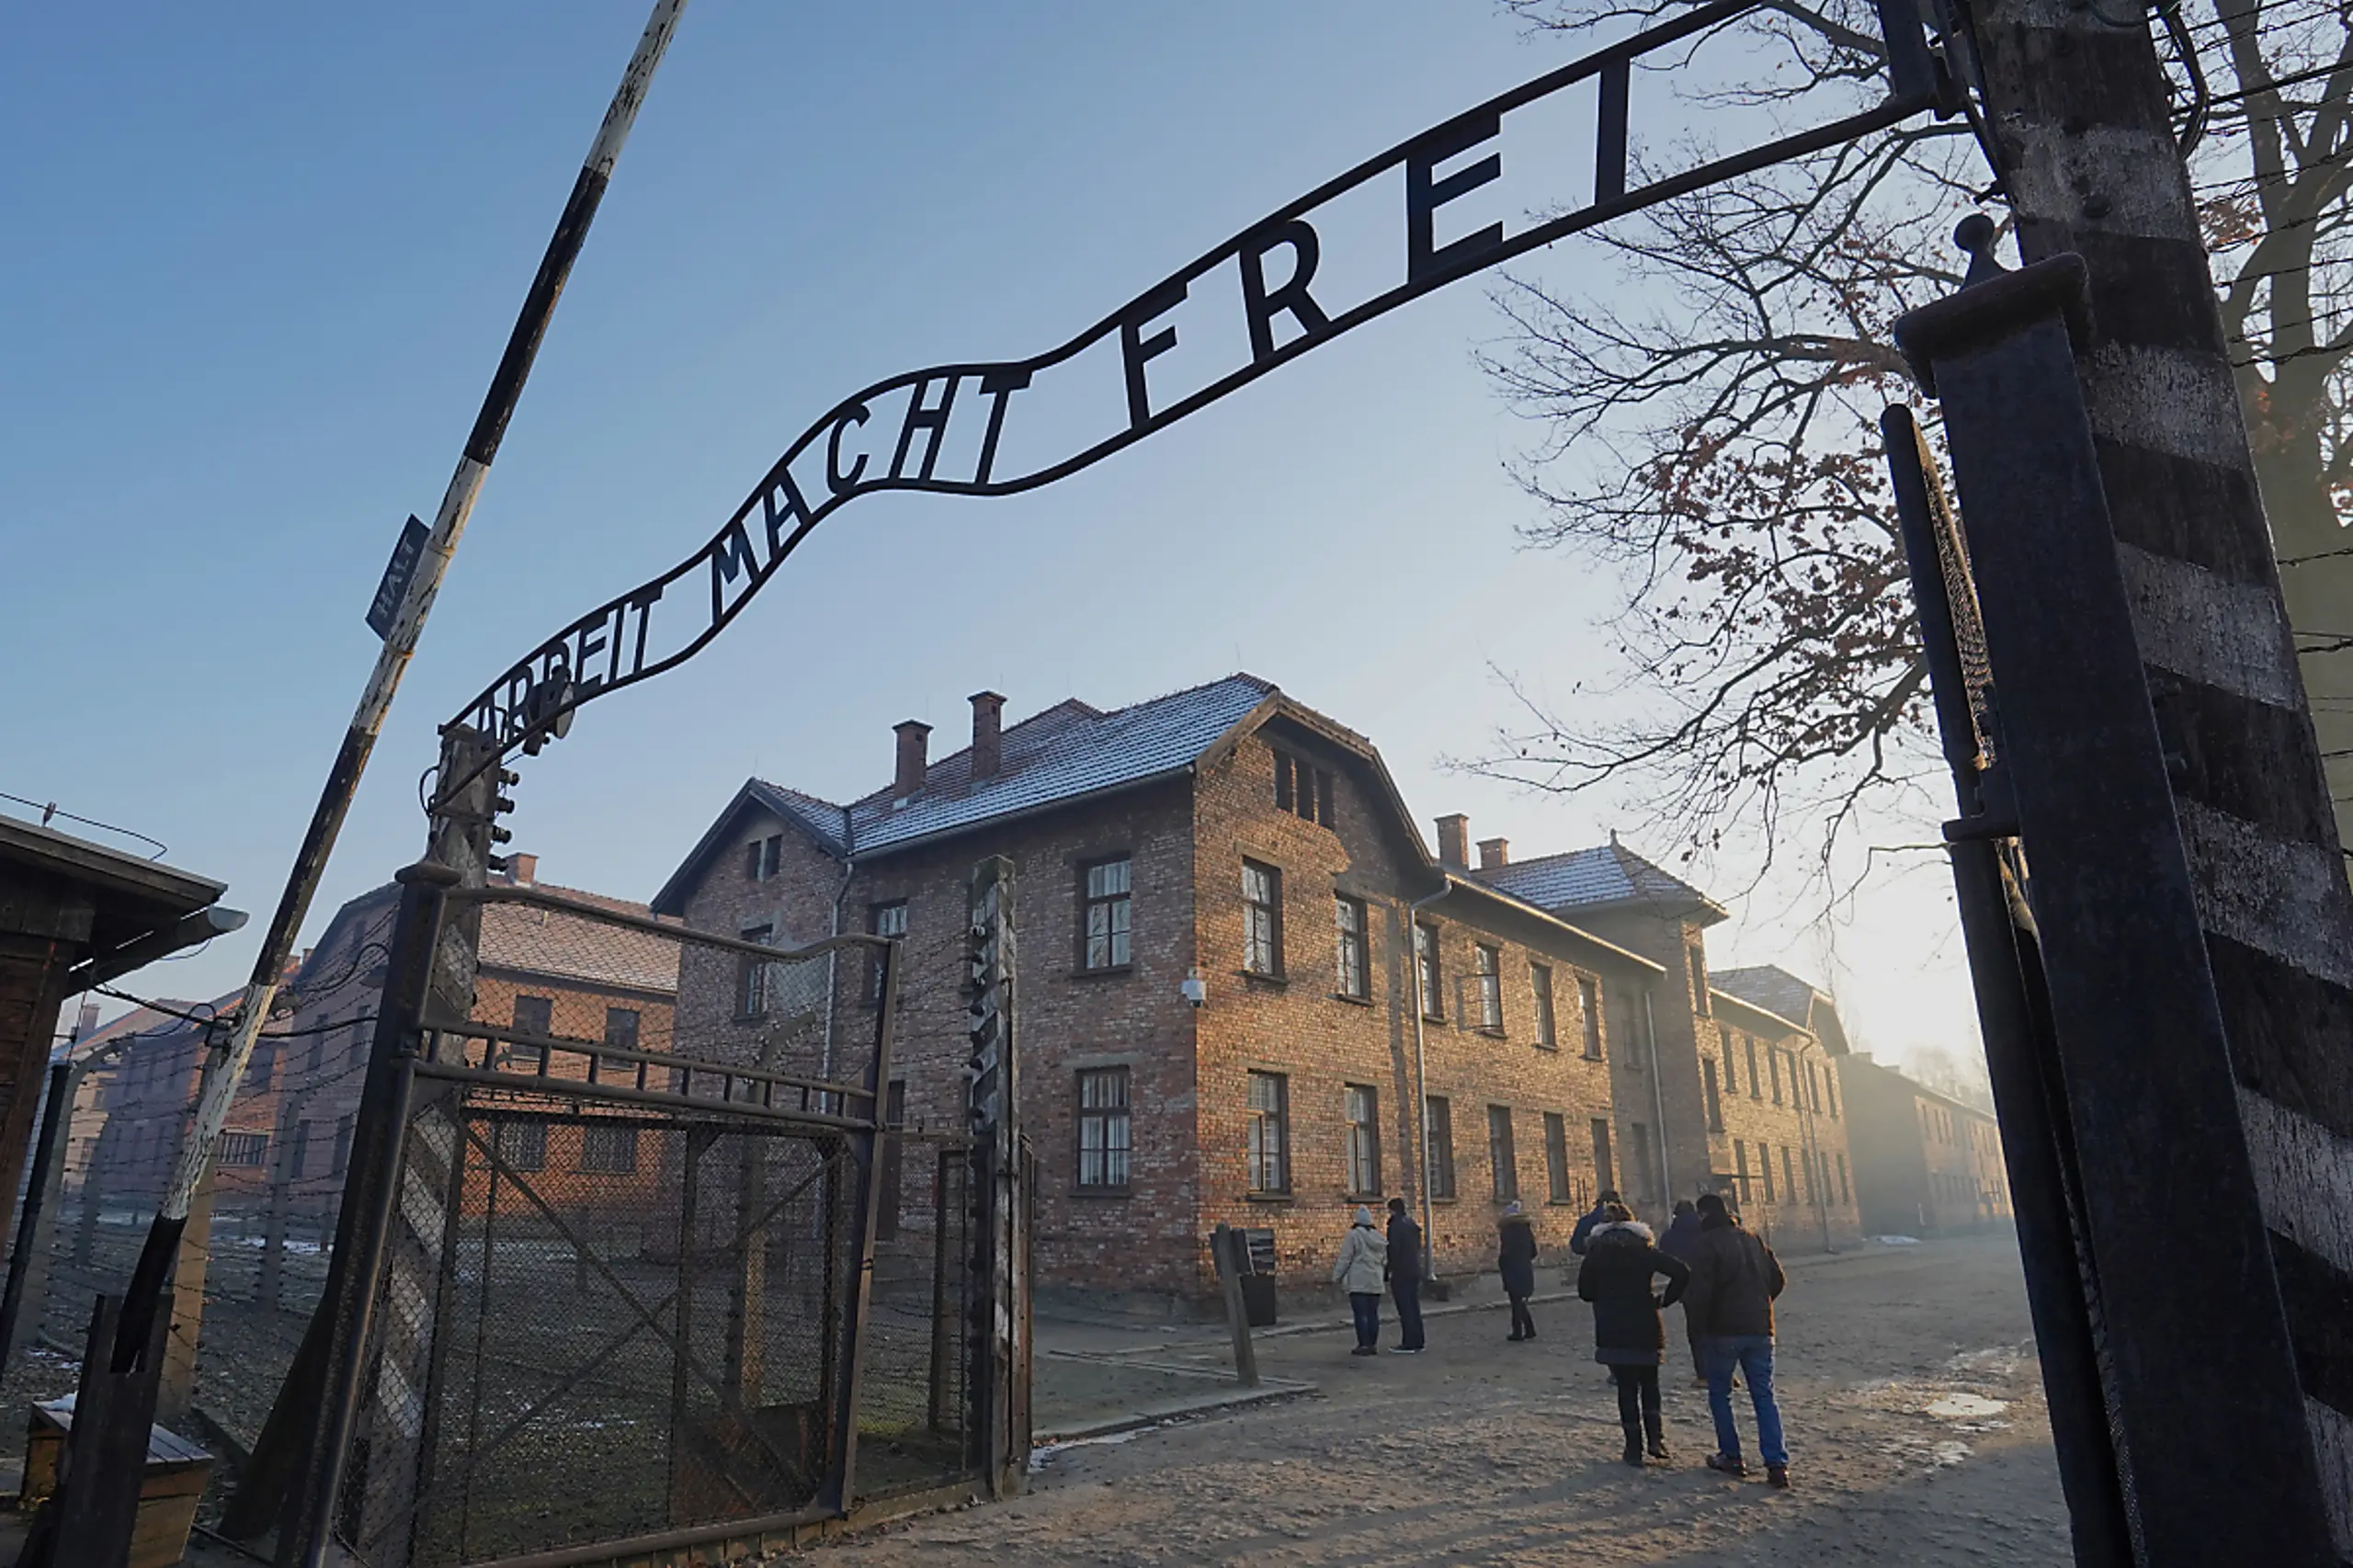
(1682, 1236)
(1358, 1270)
(1619, 1263)
(1516, 1257)
(1734, 1278)
(1404, 1249)
(1583, 1234)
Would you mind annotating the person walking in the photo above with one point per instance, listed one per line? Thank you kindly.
(1628, 1336)
(1734, 1280)
(1590, 1218)
(1405, 1277)
(1358, 1271)
(1682, 1236)
(1516, 1262)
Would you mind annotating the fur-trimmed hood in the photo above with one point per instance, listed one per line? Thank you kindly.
(1620, 1232)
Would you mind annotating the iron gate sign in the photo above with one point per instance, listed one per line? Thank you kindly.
(949, 429)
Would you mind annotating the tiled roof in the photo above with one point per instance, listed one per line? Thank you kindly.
(1067, 751)
(823, 819)
(516, 936)
(1769, 986)
(1609, 873)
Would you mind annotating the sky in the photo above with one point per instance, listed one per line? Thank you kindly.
(258, 274)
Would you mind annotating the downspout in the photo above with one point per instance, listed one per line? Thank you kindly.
(1421, 1067)
(1658, 1098)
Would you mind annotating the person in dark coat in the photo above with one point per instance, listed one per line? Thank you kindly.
(1628, 1337)
(1516, 1261)
(1405, 1277)
(1734, 1280)
(1682, 1236)
(1589, 1219)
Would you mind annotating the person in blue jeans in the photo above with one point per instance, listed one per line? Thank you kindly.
(1364, 1256)
(1735, 1278)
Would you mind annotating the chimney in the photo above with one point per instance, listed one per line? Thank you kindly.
(915, 745)
(89, 1024)
(523, 870)
(1494, 854)
(988, 723)
(1453, 839)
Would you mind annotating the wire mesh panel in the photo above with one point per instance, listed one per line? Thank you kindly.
(914, 1414)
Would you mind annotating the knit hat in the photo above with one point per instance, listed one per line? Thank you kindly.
(1364, 1215)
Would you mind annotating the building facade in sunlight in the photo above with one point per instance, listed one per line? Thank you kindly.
(1932, 1165)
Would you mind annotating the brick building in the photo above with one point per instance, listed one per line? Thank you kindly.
(1353, 991)
(1928, 1164)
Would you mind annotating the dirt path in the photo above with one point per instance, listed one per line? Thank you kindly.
(1916, 1429)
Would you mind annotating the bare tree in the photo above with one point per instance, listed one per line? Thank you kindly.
(1709, 421)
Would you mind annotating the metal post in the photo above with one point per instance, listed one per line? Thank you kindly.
(1228, 1250)
(2143, 1060)
(218, 1087)
(994, 1085)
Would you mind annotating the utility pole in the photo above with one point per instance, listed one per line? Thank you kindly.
(2076, 106)
(226, 1065)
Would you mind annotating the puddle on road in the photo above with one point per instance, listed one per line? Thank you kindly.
(1964, 1407)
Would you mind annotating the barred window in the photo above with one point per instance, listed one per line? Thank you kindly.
(1262, 919)
(1360, 1106)
(241, 1148)
(1354, 978)
(608, 1147)
(1269, 1132)
(1541, 976)
(523, 1145)
(1488, 967)
(1109, 914)
(1106, 1131)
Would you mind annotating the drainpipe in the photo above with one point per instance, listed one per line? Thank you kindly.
(1658, 1099)
(1421, 1068)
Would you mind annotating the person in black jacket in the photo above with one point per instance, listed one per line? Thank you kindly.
(1628, 1337)
(1583, 1232)
(1682, 1236)
(1516, 1261)
(1405, 1277)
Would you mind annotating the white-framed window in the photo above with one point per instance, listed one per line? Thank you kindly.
(1541, 979)
(1355, 974)
(1106, 1129)
(1262, 918)
(1269, 1151)
(1488, 968)
(1360, 1107)
(1109, 915)
(1432, 972)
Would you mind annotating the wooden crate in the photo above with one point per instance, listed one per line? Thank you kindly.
(175, 1476)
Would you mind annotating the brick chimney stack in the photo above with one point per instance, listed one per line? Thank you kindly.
(523, 870)
(1494, 854)
(988, 725)
(915, 757)
(1453, 842)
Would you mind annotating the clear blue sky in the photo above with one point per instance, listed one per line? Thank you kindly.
(259, 269)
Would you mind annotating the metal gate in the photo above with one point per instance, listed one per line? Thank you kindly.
(631, 1295)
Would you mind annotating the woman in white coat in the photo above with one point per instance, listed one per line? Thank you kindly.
(1364, 1253)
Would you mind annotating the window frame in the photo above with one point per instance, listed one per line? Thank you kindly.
(534, 1055)
(1107, 1117)
(1589, 1005)
(517, 1160)
(1258, 1153)
(623, 1135)
(751, 974)
(1270, 911)
(1604, 1155)
(1437, 1137)
(1540, 985)
(879, 912)
(241, 1149)
(1361, 1151)
(1356, 941)
(1487, 984)
(1503, 1156)
(1773, 1066)
(1429, 969)
(1556, 1157)
(1119, 916)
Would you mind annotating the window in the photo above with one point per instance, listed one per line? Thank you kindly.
(763, 857)
(1269, 1132)
(1773, 1064)
(1764, 1168)
(1105, 1131)
(1715, 1102)
(533, 1014)
(1108, 914)
(1643, 1172)
(241, 1148)
(608, 1147)
(1425, 958)
(297, 1151)
(620, 1033)
(1262, 919)
(1604, 1168)
(1360, 1106)
(1731, 1073)
(258, 1068)
(1589, 1004)
(342, 1144)
(1501, 1161)
(523, 1145)
(1789, 1174)
(1756, 1083)
(1437, 1127)
(752, 975)
(1740, 1166)
(1355, 976)
(1541, 979)
(1699, 981)
(1556, 1155)
(1303, 788)
(883, 920)
(1487, 966)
